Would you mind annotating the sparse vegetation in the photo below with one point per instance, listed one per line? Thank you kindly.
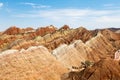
(87, 63)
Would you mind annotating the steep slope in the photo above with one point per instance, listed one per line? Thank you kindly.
(68, 55)
(35, 63)
(94, 49)
(101, 45)
(105, 69)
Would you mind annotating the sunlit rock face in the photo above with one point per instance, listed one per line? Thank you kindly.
(117, 55)
(68, 55)
(35, 63)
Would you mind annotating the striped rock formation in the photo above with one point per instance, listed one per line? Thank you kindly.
(48, 53)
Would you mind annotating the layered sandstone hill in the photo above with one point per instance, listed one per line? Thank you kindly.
(51, 36)
(15, 34)
(95, 49)
(64, 50)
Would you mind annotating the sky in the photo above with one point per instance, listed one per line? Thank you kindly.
(91, 14)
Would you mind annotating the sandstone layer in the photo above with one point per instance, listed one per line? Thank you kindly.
(35, 63)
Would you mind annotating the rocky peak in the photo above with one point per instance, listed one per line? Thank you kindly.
(12, 30)
(65, 27)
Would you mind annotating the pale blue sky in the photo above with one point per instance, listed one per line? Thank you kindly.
(91, 14)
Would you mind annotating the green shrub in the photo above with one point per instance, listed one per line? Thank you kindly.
(86, 64)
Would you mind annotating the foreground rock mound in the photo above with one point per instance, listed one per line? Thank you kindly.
(35, 63)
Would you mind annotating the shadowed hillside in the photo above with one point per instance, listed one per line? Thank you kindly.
(106, 69)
